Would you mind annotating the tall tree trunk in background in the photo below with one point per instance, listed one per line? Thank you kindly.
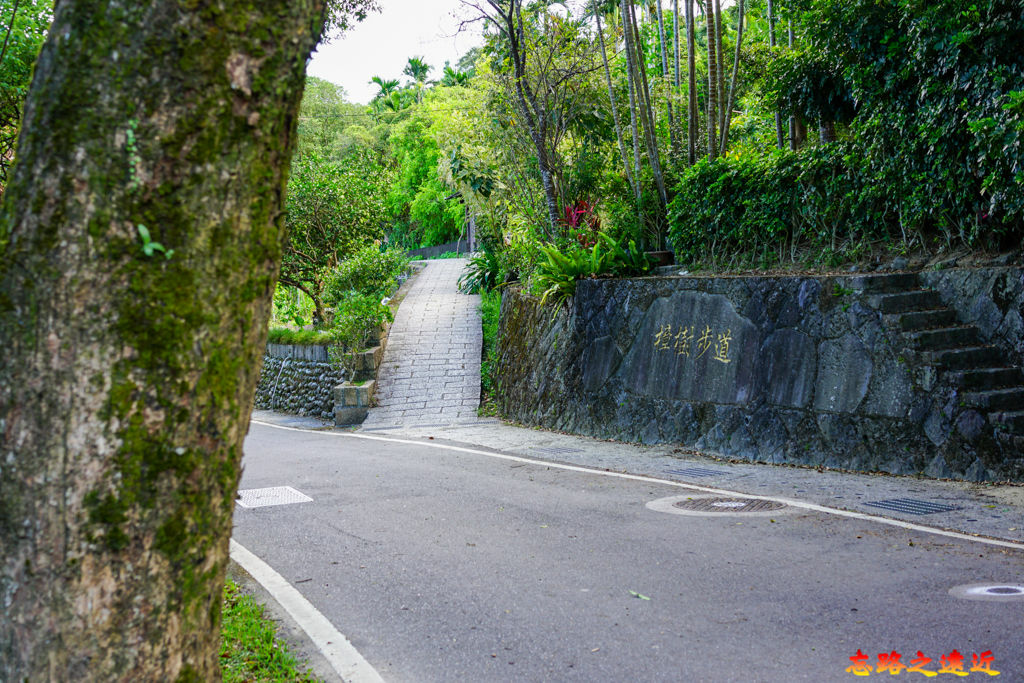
(127, 378)
(720, 51)
(712, 81)
(732, 85)
(691, 75)
(611, 97)
(534, 115)
(633, 96)
(677, 77)
(793, 132)
(647, 111)
(780, 139)
(664, 77)
(827, 132)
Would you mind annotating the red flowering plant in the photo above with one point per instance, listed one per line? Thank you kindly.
(582, 223)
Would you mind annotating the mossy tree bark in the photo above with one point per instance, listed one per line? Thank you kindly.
(126, 380)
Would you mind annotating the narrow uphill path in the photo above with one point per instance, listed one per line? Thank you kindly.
(430, 374)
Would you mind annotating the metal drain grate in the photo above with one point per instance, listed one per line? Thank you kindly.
(275, 495)
(695, 472)
(911, 506)
(556, 450)
(727, 505)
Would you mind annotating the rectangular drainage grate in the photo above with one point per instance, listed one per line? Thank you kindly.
(912, 506)
(556, 450)
(275, 495)
(695, 472)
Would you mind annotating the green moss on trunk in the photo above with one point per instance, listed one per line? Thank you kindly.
(128, 379)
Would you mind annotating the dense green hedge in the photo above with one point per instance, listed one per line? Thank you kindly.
(932, 156)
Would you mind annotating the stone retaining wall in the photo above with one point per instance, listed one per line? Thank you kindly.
(991, 298)
(776, 369)
(298, 380)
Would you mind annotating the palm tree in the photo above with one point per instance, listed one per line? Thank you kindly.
(386, 87)
(453, 77)
(417, 69)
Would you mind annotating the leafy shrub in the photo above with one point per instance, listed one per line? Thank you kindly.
(288, 335)
(356, 316)
(490, 309)
(826, 199)
(557, 275)
(333, 209)
(482, 272)
(935, 137)
(368, 271)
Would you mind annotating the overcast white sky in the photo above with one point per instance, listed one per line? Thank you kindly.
(381, 45)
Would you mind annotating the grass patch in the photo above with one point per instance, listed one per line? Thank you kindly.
(490, 308)
(249, 648)
(288, 335)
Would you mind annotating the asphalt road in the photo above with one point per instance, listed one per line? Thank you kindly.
(447, 566)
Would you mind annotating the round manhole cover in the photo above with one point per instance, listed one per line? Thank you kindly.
(727, 505)
(711, 506)
(989, 591)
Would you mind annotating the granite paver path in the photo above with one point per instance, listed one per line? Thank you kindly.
(430, 374)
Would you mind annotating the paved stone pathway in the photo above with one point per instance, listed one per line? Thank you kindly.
(430, 374)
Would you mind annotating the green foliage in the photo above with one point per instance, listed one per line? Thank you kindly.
(803, 84)
(490, 310)
(356, 316)
(772, 208)
(249, 647)
(368, 271)
(26, 36)
(938, 120)
(291, 307)
(418, 199)
(556, 276)
(330, 127)
(290, 335)
(482, 273)
(149, 247)
(333, 210)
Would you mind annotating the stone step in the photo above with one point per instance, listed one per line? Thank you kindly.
(989, 378)
(945, 338)
(925, 320)
(902, 302)
(1012, 422)
(1011, 399)
(967, 358)
(885, 282)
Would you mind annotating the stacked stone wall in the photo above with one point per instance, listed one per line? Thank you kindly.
(298, 380)
(776, 369)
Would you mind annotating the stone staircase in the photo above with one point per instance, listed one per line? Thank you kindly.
(980, 371)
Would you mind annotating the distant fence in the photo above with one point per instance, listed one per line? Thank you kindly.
(461, 246)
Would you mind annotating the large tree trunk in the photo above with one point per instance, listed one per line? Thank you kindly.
(127, 377)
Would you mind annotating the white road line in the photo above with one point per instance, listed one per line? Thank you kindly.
(637, 477)
(341, 654)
